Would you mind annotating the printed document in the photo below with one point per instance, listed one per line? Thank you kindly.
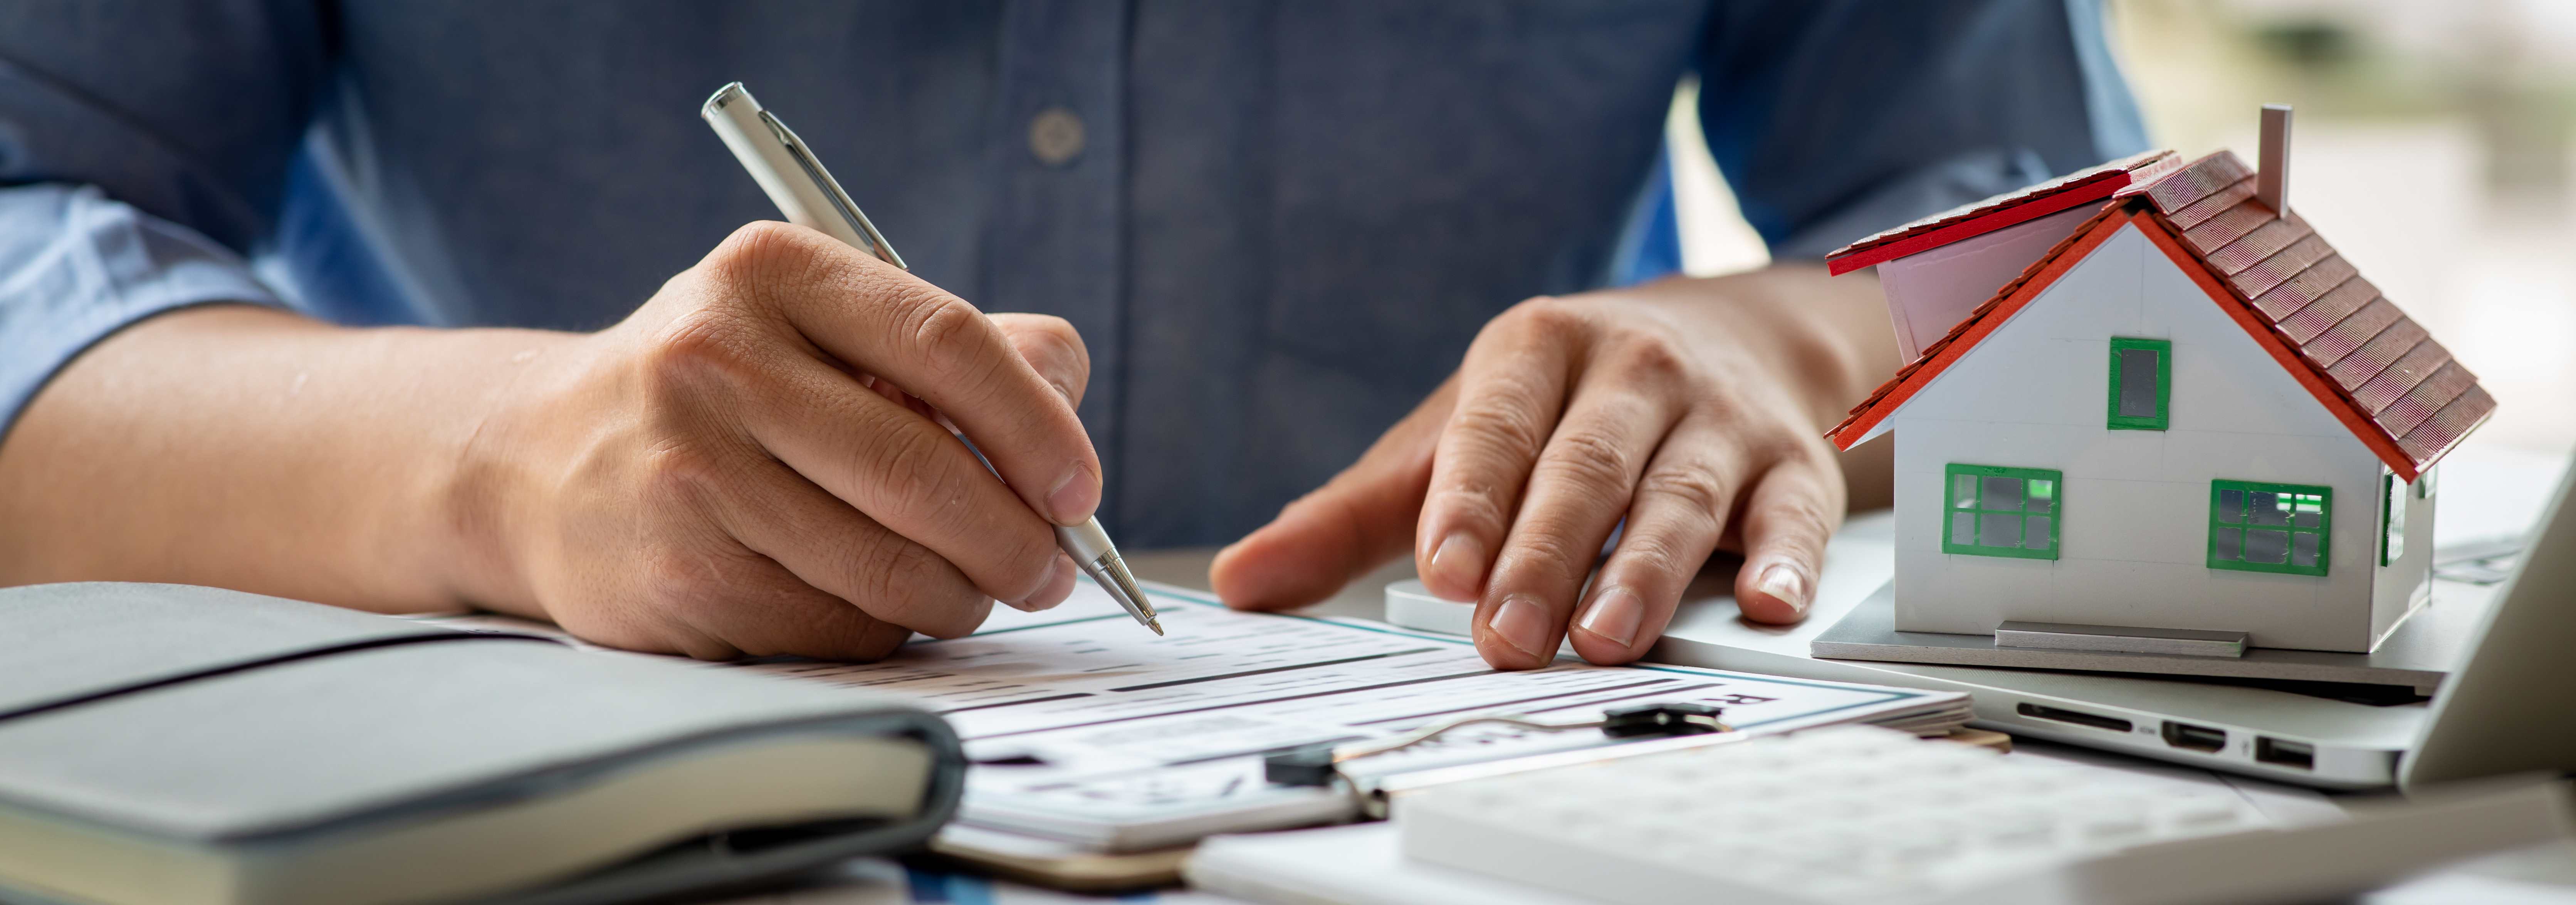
(1084, 727)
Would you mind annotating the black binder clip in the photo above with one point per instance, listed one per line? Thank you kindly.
(1318, 765)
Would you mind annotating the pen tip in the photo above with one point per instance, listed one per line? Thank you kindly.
(1156, 625)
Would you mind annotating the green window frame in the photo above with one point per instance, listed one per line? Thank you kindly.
(1993, 510)
(2280, 528)
(2128, 409)
(2392, 518)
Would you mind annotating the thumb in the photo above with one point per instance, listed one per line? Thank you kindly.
(1355, 522)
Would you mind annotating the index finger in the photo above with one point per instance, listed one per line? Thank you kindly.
(1511, 389)
(892, 324)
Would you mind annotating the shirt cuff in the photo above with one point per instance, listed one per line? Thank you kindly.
(76, 267)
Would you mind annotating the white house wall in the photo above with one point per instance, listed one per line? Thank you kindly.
(2406, 584)
(2134, 530)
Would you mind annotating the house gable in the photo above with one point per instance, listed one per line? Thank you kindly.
(2046, 362)
(2135, 505)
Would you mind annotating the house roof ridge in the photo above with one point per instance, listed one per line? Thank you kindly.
(2415, 420)
(2100, 181)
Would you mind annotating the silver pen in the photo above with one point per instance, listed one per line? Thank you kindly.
(807, 194)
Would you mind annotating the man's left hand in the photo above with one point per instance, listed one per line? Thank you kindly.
(1688, 409)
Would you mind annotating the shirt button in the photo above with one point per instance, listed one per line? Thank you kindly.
(1055, 136)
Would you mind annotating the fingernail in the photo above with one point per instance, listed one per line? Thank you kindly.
(1461, 556)
(1786, 584)
(1074, 496)
(1059, 585)
(1522, 623)
(1615, 615)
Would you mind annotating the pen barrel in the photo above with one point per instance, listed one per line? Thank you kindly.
(804, 191)
(788, 173)
(1086, 542)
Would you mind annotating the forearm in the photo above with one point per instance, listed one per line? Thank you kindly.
(254, 449)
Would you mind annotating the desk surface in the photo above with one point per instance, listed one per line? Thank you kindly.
(1364, 597)
(2546, 875)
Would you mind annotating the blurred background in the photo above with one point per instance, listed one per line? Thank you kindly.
(2431, 146)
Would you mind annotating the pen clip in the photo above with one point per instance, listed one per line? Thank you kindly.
(841, 203)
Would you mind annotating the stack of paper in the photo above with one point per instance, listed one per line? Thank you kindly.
(1091, 731)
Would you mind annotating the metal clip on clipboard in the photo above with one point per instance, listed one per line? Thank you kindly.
(1321, 764)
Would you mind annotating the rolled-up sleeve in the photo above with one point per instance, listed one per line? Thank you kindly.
(1834, 120)
(143, 153)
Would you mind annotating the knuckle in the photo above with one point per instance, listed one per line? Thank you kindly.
(1058, 348)
(1472, 506)
(1724, 407)
(1782, 447)
(1552, 547)
(948, 332)
(755, 252)
(926, 489)
(1653, 553)
(1498, 425)
(1028, 564)
(1652, 359)
(891, 573)
(708, 344)
(682, 476)
(1810, 454)
(1696, 490)
(1589, 459)
(907, 585)
(909, 473)
(1802, 515)
(685, 582)
(1050, 328)
(1543, 314)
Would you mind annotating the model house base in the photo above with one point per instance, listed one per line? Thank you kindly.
(2412, 662)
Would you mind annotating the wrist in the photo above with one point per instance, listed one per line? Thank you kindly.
(1841, 341)
(485, 481)
(1826, 337)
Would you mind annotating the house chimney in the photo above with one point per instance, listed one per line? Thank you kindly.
(2272, 177)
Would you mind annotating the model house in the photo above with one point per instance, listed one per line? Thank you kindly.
(2185, 412)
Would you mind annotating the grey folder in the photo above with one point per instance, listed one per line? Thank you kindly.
(189, 727)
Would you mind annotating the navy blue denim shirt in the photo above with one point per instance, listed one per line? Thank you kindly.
(1278, 226)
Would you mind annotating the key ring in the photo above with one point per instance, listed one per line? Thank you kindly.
(1319, 764)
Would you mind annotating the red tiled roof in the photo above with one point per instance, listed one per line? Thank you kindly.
(2398, 390)
(2020, 205)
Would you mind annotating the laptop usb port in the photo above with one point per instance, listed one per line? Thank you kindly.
(2288, 754)
(2196, 738)
(2078, 717)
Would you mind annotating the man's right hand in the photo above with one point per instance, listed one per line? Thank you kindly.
(738, 468)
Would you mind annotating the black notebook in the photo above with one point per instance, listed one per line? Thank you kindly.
(175, 744)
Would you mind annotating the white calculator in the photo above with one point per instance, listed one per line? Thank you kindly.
(1857, 814)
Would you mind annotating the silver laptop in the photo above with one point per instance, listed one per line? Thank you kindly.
(2509, 705)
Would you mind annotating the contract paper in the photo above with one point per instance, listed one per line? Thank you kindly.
(1086, 728)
